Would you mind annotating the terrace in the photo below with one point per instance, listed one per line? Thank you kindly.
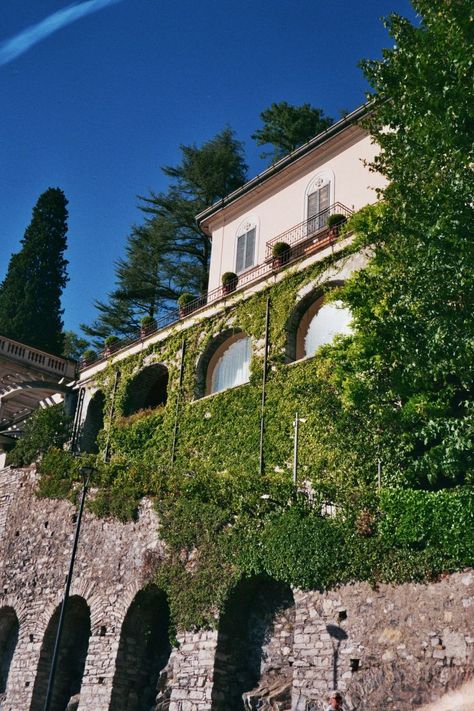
(304, 239)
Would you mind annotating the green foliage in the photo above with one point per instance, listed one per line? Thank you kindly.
(30, 294)
(287, 127)
(111, 341)
(89, 355)
(185, 298)
(49, 427)
(398, 391)
(441, 520)
(147, 322)
(74, 345)
(280, 249)
(336, 219)
(229, 278)
(409, 369)
(168, 252)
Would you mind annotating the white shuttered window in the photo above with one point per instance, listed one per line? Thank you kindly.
(318, 206)
(245, 257)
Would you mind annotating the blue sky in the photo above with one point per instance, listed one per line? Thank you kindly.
(98, 105)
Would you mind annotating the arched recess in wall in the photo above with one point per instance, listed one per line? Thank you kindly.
(9, 629)
(93, 423)
(255, 632)
(143, 653)
(314, 323)
(225, 362)
(72, 656)
(148, 389)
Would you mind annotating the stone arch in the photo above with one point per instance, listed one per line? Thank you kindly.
(148, 389)
(9, 630)
(253, 646)
(72, 656)
(301, 317)
(93, 423)
(143, 653)
(211, 355)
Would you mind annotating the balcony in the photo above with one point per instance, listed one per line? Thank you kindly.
(304, 239)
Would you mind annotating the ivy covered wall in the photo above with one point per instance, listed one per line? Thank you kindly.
(198, 459)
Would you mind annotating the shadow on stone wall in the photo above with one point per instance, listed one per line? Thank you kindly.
(143, 653)
(9, 629)
(72, 656)
(254, 641)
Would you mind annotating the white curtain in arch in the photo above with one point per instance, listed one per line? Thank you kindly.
(330, 320)
(233, 367)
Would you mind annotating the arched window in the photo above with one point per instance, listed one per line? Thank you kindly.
(147, 389)
(314, 323)
(232, 366)
(225, 363)
(327, 321)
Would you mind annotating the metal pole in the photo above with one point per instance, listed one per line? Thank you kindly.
(295, 450)
(77, 419)
(59, 631)
(264, 382)
(379, 473)
(178, 399)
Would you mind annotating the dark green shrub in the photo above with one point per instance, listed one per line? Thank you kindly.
(336, 219)
(48, 427)
(280, 249)
(185, 298)
(229, 279)
(89, 355)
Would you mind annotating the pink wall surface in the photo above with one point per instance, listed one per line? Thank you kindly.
(279, 203)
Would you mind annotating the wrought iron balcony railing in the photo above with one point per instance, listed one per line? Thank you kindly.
(309, 228)
(304, 239)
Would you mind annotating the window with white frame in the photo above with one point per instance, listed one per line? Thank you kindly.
(245, 253)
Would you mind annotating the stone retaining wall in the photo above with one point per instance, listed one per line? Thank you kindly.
(393, 648)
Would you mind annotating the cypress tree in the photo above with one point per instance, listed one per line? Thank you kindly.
(30, 295)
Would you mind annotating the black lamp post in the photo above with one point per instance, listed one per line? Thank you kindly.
(86, 473)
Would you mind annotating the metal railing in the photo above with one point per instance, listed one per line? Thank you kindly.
(308, 228)
(304, 239)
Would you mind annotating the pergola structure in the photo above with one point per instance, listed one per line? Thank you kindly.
(29, 378)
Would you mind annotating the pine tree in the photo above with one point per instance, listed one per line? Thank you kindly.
(30, 295)
(287, 127)
(168, 254)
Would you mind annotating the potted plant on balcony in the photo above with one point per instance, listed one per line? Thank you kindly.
(111, 344)
(229, 282)
(184, 301)
(280, 254)
(334, 222)
(147, 324)
(89, 356)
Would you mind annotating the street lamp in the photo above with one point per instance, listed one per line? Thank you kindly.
(86, 473)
